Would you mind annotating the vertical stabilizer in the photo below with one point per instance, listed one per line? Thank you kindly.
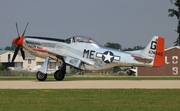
(155, 49)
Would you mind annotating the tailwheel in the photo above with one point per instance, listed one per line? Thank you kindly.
(41, 76)
(130, 73)
(59, 75)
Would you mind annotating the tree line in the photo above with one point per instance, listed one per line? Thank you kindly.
(11, 48)
(118, 47)
(176, 13)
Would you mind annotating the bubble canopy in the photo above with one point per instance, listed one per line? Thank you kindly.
(81, 39)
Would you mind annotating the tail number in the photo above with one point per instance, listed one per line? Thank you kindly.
(156, 53)
(153, 45)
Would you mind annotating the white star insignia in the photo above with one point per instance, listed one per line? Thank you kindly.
(108, 57)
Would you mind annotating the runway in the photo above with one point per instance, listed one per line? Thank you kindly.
(92, 84)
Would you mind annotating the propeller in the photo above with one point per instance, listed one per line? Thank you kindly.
(18, 41)
(17, 30)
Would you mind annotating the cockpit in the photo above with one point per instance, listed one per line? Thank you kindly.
(81, 39)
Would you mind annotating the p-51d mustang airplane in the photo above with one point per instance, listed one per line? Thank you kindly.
(86, 54)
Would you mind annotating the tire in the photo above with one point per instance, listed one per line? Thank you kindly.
(40, 76)
(129, 73)
(59, 75)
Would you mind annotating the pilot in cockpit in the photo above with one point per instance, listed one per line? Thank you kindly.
(78, 39)
(89, 40)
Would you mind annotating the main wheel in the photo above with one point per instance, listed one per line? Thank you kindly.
(40, 76)
(59, 75)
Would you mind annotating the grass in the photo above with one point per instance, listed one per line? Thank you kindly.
(73, 78)
(90, 100)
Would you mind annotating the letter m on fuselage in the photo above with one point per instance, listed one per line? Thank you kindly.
(86, 53)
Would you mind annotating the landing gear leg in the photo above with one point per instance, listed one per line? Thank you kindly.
(59, 74)
(41, 75)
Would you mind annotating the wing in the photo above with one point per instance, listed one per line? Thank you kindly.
(72, 60)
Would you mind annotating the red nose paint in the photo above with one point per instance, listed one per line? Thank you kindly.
(18, 41)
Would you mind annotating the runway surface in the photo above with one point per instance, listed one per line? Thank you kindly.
(92, 84)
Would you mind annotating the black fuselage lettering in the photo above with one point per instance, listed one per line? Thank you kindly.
(91, 54)
(88, 54)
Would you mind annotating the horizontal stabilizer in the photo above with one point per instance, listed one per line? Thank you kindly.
(140, 59)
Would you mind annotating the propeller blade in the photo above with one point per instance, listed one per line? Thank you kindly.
(25, 29)
(22, 53)
(15, 53)
(17, 29)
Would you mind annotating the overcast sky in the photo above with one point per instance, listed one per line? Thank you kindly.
(127, 22)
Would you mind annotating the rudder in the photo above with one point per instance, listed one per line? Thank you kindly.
(155, 49)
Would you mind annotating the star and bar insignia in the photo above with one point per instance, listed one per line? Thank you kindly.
(108, 56)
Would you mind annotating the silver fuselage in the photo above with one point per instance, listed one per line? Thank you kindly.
(82, 55)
